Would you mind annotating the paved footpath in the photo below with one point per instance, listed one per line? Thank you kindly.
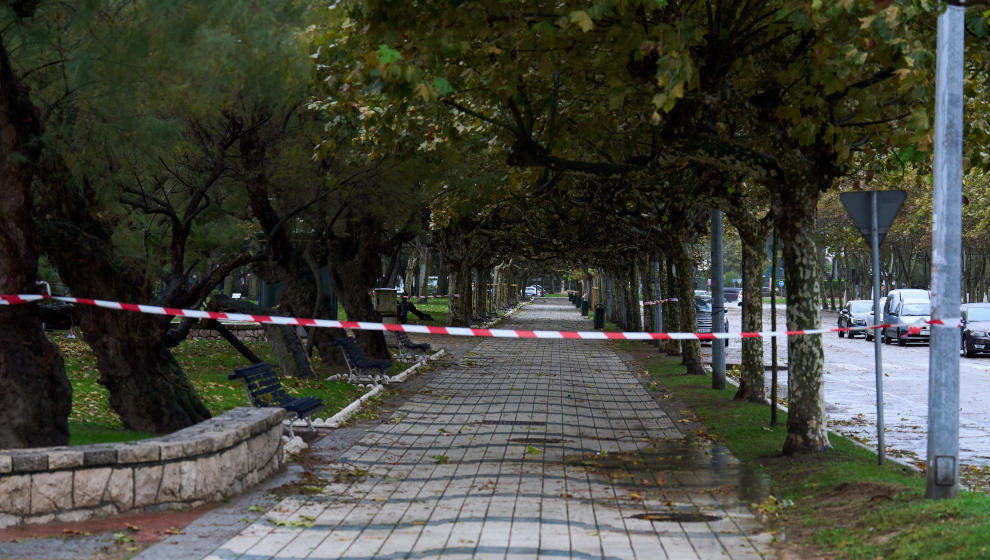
(525, 449)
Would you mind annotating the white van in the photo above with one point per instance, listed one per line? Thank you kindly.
(907, 307)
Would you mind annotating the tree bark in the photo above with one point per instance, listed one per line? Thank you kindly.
(286, 264)
(36, 397)
(806, 422)
(690, 349)
(752, 381)
(649, 292)
(635, 311)
(671, 321)
(355, 266)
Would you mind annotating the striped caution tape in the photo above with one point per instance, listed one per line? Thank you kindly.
(659, 301)
(16, 299)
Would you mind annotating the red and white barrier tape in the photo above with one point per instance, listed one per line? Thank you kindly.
(14, 299)
(659, 301)
(423, 297)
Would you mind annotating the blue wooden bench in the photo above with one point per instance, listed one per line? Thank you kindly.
(360, 366)
(407, 346)
(265, 390)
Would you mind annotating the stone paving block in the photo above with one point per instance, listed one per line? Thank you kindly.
(446, 480)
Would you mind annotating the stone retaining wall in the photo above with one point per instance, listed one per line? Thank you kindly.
(246, 332)
(207, 462)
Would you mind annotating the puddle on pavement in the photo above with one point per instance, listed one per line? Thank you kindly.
(677, 516)
(537, 440)
(689, 455)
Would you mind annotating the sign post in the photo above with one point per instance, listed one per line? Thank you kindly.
(873, 212)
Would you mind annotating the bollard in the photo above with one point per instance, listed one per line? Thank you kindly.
(584, 308)
(599, 317)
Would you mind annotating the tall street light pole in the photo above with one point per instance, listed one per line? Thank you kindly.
(943, 366)
(718, 303)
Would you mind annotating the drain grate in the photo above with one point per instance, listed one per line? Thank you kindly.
(512, 423)
(537, 440)
(675, 516)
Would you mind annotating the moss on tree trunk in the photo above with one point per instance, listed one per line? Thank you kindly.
(806, 429)
(690, 349)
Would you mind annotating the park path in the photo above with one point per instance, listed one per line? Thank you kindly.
(523, 449)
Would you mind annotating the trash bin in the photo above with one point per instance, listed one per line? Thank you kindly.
(584, 308)
(600, 317)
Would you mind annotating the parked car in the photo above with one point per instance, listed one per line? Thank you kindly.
(911, 308)
(855, 313)
(870, 321)
(703, 312)
(732, 294)
(975, 328)
(531, 291)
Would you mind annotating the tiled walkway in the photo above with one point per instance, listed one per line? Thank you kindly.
(525, 449)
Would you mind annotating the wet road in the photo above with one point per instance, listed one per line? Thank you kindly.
(850, 395)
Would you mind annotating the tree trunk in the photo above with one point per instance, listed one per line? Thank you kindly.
(752, 382)
(671, 316)
(148, 389)
(355, 266)
(424, 264)
(36, 397)
(301, 294)
(635, 312)
(411, 263)
(806, 422)
(460, 306)
(649, 292)
(690, 349)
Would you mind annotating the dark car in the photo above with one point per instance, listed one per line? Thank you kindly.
(703, 311)
(855, 313)
(975, 328)
(731, 295)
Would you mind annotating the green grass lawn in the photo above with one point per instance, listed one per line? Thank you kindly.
(841, 502)
(207, 364)
(437, 308)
